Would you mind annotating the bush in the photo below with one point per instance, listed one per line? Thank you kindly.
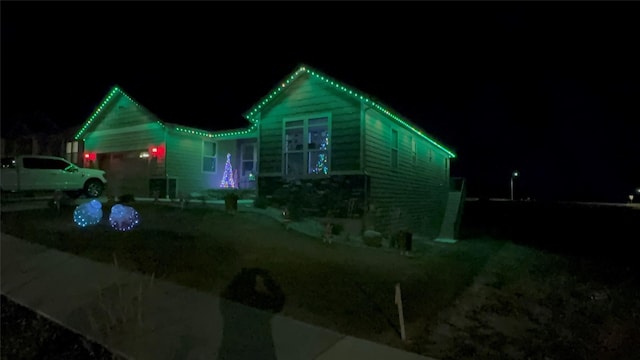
(261, 202)
(231, 202)
(337, 229)
(295, 211)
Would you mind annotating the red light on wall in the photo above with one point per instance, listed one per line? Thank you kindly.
(157, 151)
(90, 156)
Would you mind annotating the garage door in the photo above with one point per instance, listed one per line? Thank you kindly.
(127, 173)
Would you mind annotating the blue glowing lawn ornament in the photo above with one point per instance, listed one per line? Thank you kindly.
(89, 213)
(123, 218)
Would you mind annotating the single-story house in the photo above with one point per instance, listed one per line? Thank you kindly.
(312, 142)
(147, 157)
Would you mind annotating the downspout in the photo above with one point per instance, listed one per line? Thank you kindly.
(363, 125)
(166, 156)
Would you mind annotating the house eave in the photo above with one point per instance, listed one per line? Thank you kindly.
(253, 113)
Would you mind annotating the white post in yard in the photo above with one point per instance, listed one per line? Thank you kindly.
(400, 315)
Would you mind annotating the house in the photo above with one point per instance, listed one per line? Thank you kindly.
(36, 134)
(313, 144)
(335, 147)
(148, 157)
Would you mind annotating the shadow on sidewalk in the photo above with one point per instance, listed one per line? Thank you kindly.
(247, 306)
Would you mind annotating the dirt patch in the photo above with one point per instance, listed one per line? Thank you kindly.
(527, 305)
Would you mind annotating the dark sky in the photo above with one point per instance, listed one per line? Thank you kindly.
(549, 88)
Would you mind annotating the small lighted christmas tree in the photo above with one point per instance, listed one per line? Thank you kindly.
(227, 176)
(321, 166)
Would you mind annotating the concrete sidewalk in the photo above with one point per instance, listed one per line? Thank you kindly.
(139, 317)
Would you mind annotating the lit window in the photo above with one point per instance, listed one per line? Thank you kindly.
(306, 146)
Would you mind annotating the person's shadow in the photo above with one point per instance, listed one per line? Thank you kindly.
(247, 305)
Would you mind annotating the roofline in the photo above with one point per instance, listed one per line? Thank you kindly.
(216, 134)
(181, 128)
(103, 104)
(252, 113)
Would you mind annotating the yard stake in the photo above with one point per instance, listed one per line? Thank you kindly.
(400, 315)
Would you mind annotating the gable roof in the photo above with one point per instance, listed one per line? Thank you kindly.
(252, 113)
(116, 90)
(104, 104)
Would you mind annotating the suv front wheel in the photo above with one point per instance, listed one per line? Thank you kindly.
(93, 188)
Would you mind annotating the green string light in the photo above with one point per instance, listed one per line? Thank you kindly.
(304, 69)
(251, 116)
(217, 134)
(102, 106)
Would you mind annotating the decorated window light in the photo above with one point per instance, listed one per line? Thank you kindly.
(318, 146)
(307, 146)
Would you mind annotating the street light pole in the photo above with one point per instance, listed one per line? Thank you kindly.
(513, 176)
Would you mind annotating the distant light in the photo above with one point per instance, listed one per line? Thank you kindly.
(516, 174)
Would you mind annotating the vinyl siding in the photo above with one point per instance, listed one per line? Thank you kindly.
(125, 127)
(184, 161)
(412, 196)
(311, 96)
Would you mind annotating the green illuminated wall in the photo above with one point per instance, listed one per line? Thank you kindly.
(414, 195)
(304, 70)
(309, 95)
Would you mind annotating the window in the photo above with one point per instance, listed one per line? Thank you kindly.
(306, 146)
(394, 149)
(71, 152)
(45, 163)
(414, 151)
(248, 159)
(209, 156)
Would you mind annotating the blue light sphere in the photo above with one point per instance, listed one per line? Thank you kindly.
(123, 218)
(89, 213)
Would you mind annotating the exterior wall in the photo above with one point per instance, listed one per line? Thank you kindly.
(125, 127)
(413, 196)
(185, 159)
(117, 140)
(311, 96)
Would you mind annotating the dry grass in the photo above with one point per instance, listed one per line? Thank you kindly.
(351, 289)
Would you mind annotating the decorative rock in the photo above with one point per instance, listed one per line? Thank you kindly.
(372, 238)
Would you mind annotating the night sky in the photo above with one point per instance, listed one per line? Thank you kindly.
(551, 89)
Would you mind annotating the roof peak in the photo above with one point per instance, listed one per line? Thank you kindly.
(303, 68)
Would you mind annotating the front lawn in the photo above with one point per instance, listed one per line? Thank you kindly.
(346, 288)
